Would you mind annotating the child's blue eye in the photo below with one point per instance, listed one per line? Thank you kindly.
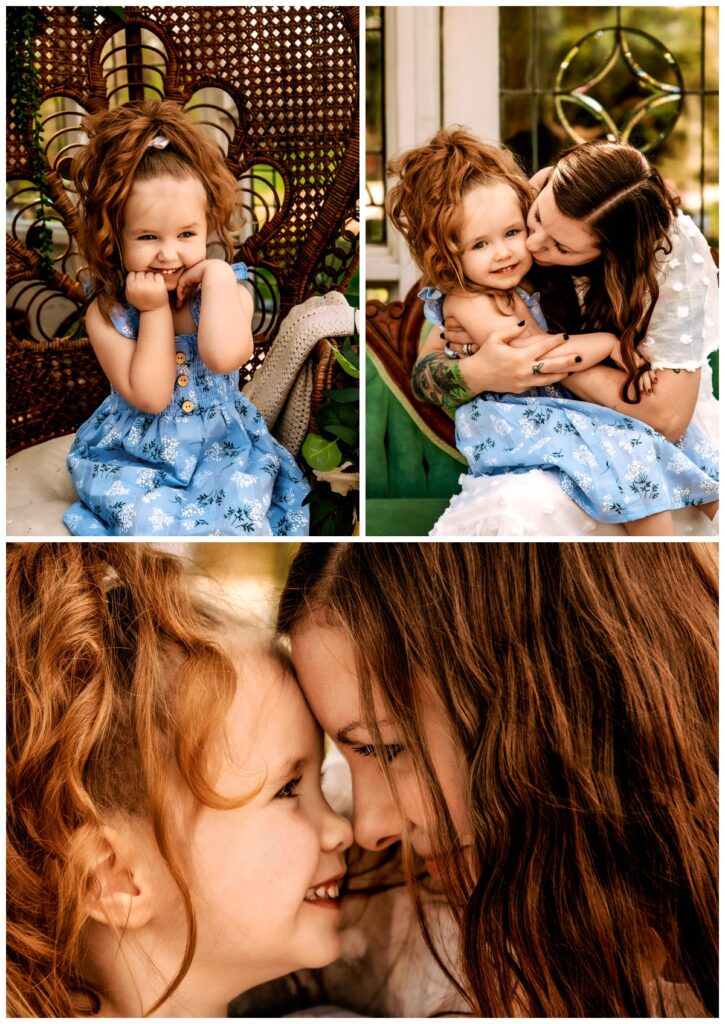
(388, 750)
(287, 792)
(480, 245)
(146, 238)
(512, 232)
(187, 234)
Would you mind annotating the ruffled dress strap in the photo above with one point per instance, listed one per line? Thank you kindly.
(533, 302)
(126, 319)
(241, 273)
(432, 305)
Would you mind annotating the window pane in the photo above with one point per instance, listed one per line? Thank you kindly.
(646, 75)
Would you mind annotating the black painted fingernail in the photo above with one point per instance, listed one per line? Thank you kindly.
(566, 337)
(443, 334)
(521, 323)
(577, 359)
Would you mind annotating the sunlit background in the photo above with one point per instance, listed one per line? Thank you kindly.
(251, 575)
(555, 76)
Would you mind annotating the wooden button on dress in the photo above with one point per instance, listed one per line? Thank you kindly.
(187, 407)
(180, 358)
(182, 380)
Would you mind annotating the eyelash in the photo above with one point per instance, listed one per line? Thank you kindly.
(287, 792)
(147, 238)
(563, 252)
(390, 750)
(509, 234)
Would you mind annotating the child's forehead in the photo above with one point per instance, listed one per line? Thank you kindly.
(166, 196)
(269, 716)
(490, 204)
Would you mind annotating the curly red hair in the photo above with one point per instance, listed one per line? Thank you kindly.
(425, 203)
(120, 675)
(116, 156)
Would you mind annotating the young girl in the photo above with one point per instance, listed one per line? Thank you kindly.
(462, 205)
(175, 448)
(168, 842)
(545, 742)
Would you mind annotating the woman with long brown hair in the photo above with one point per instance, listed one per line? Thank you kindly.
(614, 253)
(538, 724)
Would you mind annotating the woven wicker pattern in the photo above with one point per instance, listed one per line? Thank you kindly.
(278, 89)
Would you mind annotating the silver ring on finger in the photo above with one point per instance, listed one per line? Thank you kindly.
(537, 369)
(468, 349)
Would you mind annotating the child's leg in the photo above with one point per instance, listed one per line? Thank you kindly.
(661, 524)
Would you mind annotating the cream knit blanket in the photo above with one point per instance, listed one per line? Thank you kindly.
(282, 387)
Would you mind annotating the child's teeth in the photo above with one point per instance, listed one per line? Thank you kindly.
(329, 892)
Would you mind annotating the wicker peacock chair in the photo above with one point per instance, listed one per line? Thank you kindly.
(278, 88)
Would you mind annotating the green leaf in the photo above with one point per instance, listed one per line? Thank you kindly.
(348, 367)
(337, 412)
(342, 394)
(346, 434)
(351, 354)
(320, 453)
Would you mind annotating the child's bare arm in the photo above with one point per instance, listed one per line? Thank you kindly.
(225, 322)
(477, 314)
(142, 371)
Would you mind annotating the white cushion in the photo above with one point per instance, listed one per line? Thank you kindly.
(39, 490)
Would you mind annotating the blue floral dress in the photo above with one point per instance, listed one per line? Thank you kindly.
(206, 465)
(616, 468)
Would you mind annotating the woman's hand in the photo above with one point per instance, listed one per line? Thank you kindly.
(456, 338)
(648, 379)
(146, 291)
(499, 366)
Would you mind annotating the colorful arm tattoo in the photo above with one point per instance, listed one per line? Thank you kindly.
(439, 380)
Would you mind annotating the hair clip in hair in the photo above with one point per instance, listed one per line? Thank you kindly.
(158, 142)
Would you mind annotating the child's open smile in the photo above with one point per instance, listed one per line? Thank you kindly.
(492, 236)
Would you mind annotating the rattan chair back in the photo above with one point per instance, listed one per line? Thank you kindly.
(276, 86)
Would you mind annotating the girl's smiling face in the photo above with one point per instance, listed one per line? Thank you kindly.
(492, 237)
(165, 227)
(264, 876)
(325, 664)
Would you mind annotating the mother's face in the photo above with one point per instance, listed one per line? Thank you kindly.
(325, 664)
(556, 240)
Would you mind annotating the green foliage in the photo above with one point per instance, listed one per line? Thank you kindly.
(336, 444)
(24, 25)
(24, 99)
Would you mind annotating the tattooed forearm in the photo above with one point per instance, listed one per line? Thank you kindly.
(439, 380)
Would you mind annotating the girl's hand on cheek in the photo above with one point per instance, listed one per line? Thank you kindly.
(189, 280)
(146, 291)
